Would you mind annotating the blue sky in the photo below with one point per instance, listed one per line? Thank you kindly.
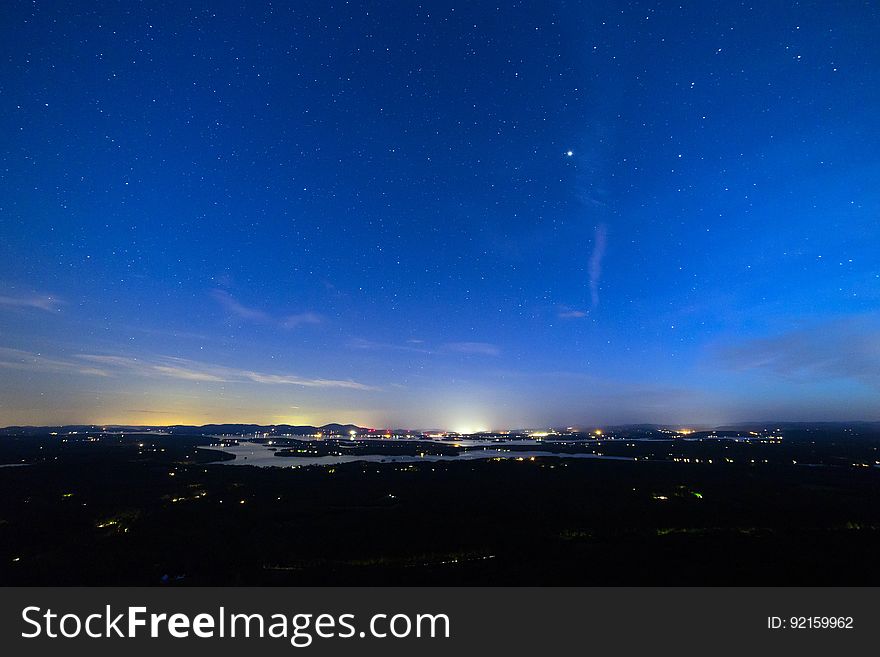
(450, 215)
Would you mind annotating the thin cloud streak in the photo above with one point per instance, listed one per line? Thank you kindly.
(233, 307)
(594, 271)
(188, 370)
(310, 383)
(361, 343)
(166, 367)
(237, 309)
(478, 348)
(843, 349)
(27, 361)
(595, 265)
(292, 321)
(44, 302)
(416, 347)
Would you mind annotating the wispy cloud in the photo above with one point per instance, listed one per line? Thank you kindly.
(480, 348)
(234, 307)
(594, 271)
(17, 359)
(166, 332)
(842, 349)
(414, 346)
(166, 367)
(39, 301)
(292, 321)
(237, 309)
(277, 379)
(595, 266)
(420, 347)
(189, 370)
(570, 313)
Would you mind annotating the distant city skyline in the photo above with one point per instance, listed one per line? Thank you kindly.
(458, 217)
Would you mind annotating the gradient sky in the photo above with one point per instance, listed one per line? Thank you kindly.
(460, 215)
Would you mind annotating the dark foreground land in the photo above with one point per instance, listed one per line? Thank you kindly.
(148, 510)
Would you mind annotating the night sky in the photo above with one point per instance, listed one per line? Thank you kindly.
(455, 215)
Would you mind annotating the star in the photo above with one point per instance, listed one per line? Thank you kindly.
(569, 153)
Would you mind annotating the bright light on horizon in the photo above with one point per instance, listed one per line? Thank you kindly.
(468, 428)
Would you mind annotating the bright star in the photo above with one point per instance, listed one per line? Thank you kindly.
(569, 153)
